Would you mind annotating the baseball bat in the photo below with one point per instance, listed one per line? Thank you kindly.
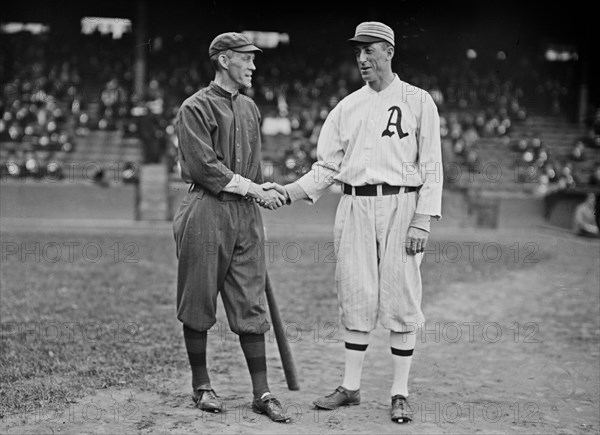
(287, 359)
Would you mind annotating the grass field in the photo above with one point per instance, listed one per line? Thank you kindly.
(95, 309)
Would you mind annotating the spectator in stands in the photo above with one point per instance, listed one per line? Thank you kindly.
(541, 156)
(566, 175)
(591, 139)
(597, 209)
(98, 176)
(584, 220)
(543, 187)
(594, 179)
(520, 145)
(113, 99)
(549, 169)
(148, 129)
(130, 173)
(577, 152)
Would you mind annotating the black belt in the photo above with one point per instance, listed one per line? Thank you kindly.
(222, 196)
(371, 189)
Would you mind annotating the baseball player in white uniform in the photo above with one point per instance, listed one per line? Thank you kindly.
(382, 145)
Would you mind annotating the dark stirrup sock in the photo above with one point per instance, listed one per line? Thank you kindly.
(253, 346)
(402, 352)
(195, 343)
(358, 347)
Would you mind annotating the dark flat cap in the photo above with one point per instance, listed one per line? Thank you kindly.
(232, 41)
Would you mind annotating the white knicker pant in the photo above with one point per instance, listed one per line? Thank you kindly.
(375, 278)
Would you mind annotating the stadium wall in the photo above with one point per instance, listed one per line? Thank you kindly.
(459, 209)
(31, 200)
(121, 202)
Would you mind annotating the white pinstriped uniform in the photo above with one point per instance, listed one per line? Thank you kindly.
(370, 137)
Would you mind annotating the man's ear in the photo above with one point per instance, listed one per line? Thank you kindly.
(224, 61)
(390, 51)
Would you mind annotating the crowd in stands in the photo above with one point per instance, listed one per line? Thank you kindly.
(56, 89)
(49, 88)
(553, 171)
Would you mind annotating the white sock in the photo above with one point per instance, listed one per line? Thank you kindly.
(354, 358)
(405, 343)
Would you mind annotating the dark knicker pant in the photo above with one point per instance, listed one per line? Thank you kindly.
(220, 246)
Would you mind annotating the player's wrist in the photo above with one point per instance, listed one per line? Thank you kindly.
(295, 192)
(253, 190)
(421, 221)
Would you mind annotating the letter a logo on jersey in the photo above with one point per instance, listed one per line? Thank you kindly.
(395, 110)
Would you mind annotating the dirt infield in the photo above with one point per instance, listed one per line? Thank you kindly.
(511, 345)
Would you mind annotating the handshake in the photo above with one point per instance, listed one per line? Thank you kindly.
(269, 195)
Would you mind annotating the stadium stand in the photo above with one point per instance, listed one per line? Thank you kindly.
(69, 111)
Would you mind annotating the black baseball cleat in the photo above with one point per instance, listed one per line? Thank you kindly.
(270, 406)
(340, 397)
(401, 410)
(207, 400)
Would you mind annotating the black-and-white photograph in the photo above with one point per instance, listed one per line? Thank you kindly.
(299, 218)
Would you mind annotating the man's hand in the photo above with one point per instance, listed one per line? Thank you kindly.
(267, 198)
(279, 188)
(416, 240)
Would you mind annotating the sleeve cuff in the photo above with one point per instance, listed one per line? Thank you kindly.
(243, 186)
(238, 184)
(421, 221)
(295, 192)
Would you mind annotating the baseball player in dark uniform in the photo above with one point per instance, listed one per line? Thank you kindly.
(382, 144)
(218, 227)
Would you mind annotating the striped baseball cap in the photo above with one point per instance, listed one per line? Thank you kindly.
(372, 31)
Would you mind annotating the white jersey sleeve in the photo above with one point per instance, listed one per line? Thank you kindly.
(330, 153)
(430, 160)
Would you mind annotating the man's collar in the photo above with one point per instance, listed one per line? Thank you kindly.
(222, 91)
(393, 83)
